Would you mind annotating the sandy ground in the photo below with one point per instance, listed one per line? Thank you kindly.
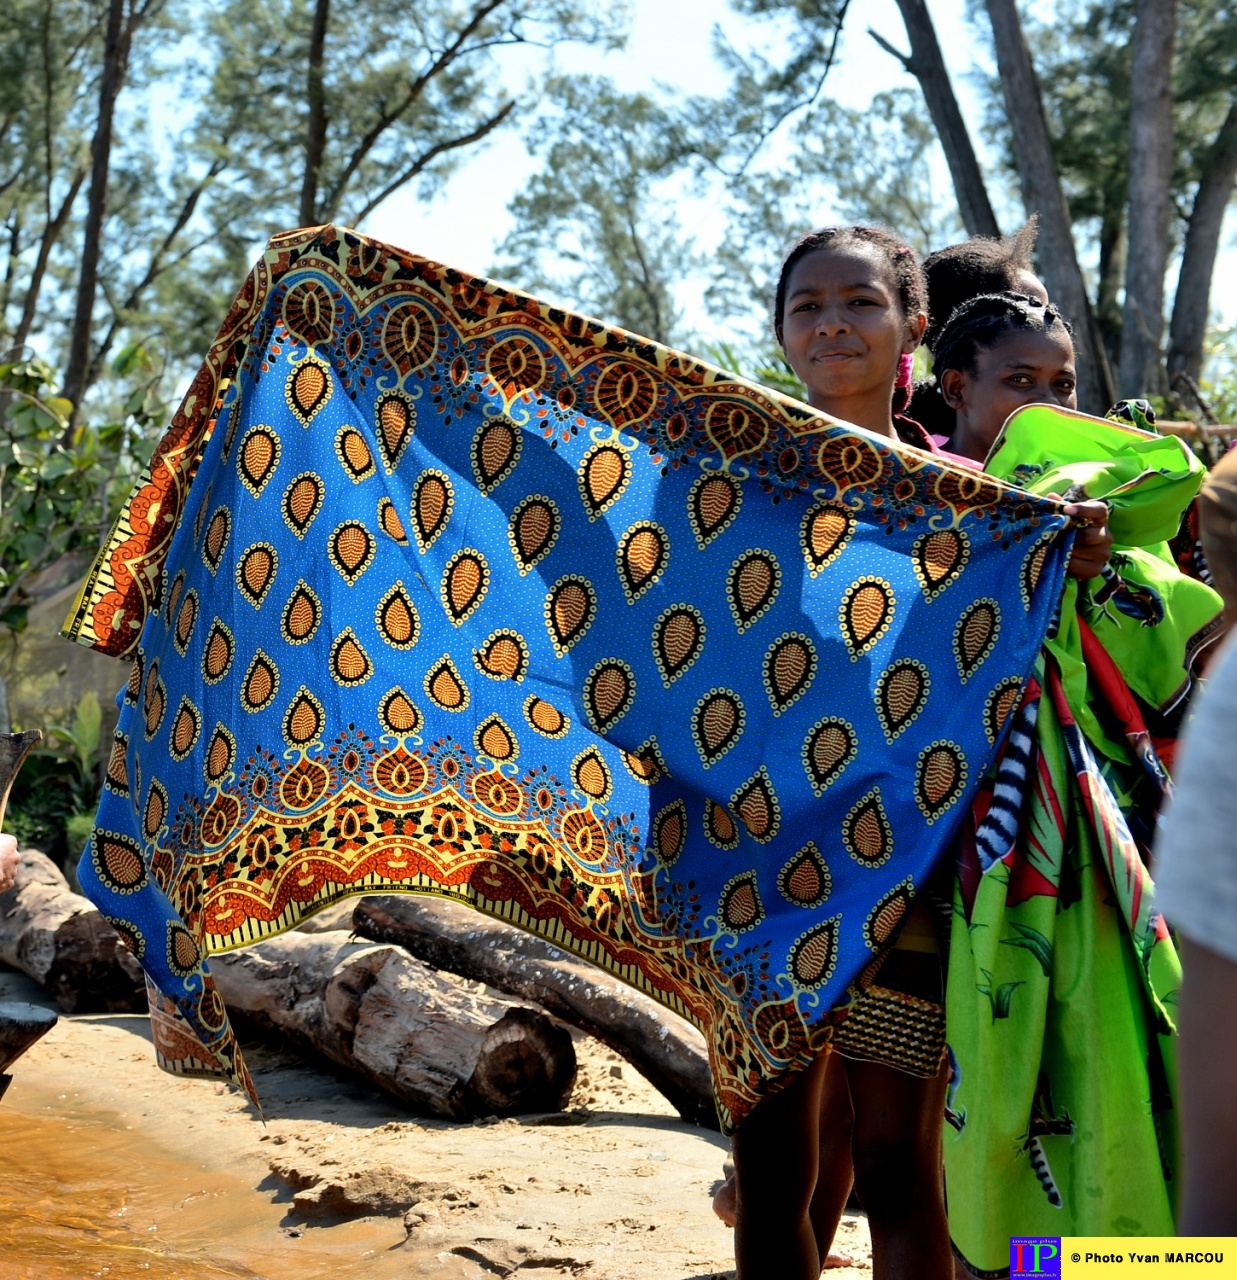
(114, 1169)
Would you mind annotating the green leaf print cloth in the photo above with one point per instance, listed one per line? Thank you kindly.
(1062, 975)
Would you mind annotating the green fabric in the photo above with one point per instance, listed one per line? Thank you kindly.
(1148, 482)
(1062, 978)
(1064, 1076)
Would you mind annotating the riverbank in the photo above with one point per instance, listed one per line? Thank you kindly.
(114, 1169)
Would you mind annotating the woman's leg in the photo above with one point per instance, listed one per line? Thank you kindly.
(776, 1155)
(897, 1154)
(835, 1173)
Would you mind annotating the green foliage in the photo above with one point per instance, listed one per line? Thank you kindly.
(54, 797)
(765, 365)
(60, 490)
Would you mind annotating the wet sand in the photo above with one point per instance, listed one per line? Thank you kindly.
(114, 1169)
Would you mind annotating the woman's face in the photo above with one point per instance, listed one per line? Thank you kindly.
(842, 325)
(1021, 368)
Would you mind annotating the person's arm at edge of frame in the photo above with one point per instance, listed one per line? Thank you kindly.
(8, 861)
(1207, 1024)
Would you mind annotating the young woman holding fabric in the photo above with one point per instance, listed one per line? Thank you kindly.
(849, 313)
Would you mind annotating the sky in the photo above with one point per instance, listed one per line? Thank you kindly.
(671, 44)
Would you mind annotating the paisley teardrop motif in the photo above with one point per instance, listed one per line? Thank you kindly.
(186, 726)
(445, 687)
(301, 615)
(255, 572)
(257, 458)
(174, 593)
(806, 880)
(390, 523)
(604, 473)
(116, 777)
(304, 719)
(866, 832)
(546, 718)
(824, 533)
(186, 619)
(670, 832)
(829, 747)
(220, 754)
(643, 552)
(717, 724)
(589, 773)
(308, 388)
(739, 907)
(155, 812)
(433, 500)
(940, 778)
(939, 559)
(712, 505)
(398, 714)
(884, 918)
(756, 805)
(975, 636)
(1033, 568)
(533, 530)
(351, 548)
(645, 763)
(1000, 706)
(865, 614)
(720, 828)
(354, 454)
(465, 581)
(216, 538)
(503, 656)
(752, 586)
(260, 684)
(396, 618)
(569, 611)
(302, 500)
(609, 690)
(350, 664)
(901, 694)
(396, 420)
(495, 452)
(494, 739)
(789, 669)
(678, 638)
(217, 652)
(814, 955)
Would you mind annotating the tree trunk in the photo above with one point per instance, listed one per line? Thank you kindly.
(315, 125)
(1150, 199)
(448, 1047)
(927, 65)
(62, 941)
(1112, 270)
(1042, 193)
(669, 1052)
(115, 67)
(1198, 258)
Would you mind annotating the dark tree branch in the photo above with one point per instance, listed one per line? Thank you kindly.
(316, 123)
(428, 157)
(1198, 259)
(415, 89)
(47, 241)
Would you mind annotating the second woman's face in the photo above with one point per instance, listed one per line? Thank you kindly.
(842, 326)
(1023, 368)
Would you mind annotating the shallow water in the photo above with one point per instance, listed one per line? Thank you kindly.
(80, 1198)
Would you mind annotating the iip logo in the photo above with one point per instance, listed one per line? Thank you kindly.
(1035, 1258)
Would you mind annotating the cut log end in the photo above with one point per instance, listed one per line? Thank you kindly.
(527, 1063)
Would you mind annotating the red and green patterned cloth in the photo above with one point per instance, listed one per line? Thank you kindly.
(1062, 975)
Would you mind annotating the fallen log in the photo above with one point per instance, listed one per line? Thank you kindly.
(667, 1050)
(446, 1046)
(63, 942)
(21, 1025)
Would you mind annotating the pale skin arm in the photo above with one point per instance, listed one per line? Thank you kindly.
(8, 862)
(1208, 1050)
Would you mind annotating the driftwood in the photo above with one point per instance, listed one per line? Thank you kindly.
(21, 1025)
(668, 1051)
(448, 1047)
(63, 942)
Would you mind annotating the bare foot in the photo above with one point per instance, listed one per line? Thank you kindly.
(724, 1207)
